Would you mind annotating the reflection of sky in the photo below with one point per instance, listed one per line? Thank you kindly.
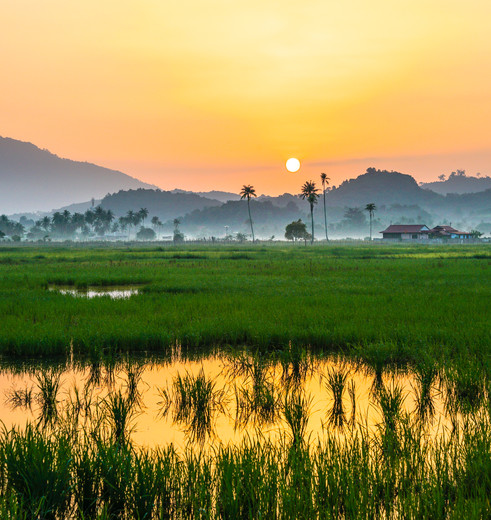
(113, 292)
(151, 429)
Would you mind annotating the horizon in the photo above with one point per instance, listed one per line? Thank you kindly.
(222, 95)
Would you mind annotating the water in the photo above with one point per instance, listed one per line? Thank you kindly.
(115, 292)
(242, 397)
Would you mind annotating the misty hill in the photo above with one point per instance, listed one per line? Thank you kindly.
(32, 179)
(268, 219)
(381, 187)
(459, 182)
(163, 204)
(222, 196)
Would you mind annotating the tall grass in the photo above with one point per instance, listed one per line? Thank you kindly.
(269, 301)
(342, 477)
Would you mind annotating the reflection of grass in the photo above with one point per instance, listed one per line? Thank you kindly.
(19, 398)
(48, 385)
(465, 387)
(296, 411)
(194, 399)
(425, 375)
(93, 469)
(257, 400)
(335, 384)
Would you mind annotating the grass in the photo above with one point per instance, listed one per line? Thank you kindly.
(392, 308)
(405, 300)
(343, 477)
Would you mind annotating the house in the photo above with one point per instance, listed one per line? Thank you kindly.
(406, 232)
(448, 232)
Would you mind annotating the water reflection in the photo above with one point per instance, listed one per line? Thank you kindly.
(224, 399)
(115, 292)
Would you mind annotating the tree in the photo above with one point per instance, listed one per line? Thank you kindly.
(355, 217)
(442, 177)
(145, 234)
(130, 219)
(297, 230)
(325, 181)
(474, 233)
(178, 236)
(371, 210)
(247, 192)
(143, 214)
(309, 192)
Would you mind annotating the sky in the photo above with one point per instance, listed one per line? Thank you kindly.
(215, 94)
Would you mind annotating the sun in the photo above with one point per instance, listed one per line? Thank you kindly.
(293, 165)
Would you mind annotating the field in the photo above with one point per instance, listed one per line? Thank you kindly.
(276, 316)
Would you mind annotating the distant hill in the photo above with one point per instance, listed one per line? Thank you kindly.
(268, 218)
(381, 187)
(222, 196)
(163, 204)
(32, 179)
(459, 182)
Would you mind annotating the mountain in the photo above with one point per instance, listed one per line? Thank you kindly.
(381, 187)
(222, 196)
(163, 204)
(459, 182)
(32, 179)
(232, 217)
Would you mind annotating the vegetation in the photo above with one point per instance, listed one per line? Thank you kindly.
(371, 210)
(246, 193)
(309, 192)
(297, 230)
(402, 300)
(325, 181)
(398, 468)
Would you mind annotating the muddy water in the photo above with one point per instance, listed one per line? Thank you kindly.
(157, 420)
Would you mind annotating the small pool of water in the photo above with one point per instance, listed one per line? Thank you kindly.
(115, 292)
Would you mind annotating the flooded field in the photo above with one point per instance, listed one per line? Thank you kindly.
(245, 383)
(224, 399)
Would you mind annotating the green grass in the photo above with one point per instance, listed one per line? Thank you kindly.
(343, 477)
(386, 306)
(412, 299)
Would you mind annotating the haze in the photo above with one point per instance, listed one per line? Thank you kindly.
(212, 95)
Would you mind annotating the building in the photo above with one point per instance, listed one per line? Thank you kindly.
(448, 232)
(406, 232)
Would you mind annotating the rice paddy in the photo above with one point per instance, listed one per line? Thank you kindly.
(246, 382)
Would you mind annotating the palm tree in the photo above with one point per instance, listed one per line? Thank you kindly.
(371, 210)
(325, 181)
(143, 214)
(309, 192)
(247, 192)
(130, 218)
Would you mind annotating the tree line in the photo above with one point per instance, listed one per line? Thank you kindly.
(297, 230)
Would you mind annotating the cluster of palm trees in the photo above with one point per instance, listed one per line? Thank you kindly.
(97, 220)
(310, 193)
(132, 219)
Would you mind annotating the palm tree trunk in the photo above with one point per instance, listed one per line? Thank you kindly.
(312, 219)
(325, 217)
(250, 219)
(371, 226)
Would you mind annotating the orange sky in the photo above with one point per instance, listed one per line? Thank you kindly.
(216, 94)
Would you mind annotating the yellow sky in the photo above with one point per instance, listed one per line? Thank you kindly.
(214, 94)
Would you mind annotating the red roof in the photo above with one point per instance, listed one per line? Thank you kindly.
(406, 228)
(446, 230)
